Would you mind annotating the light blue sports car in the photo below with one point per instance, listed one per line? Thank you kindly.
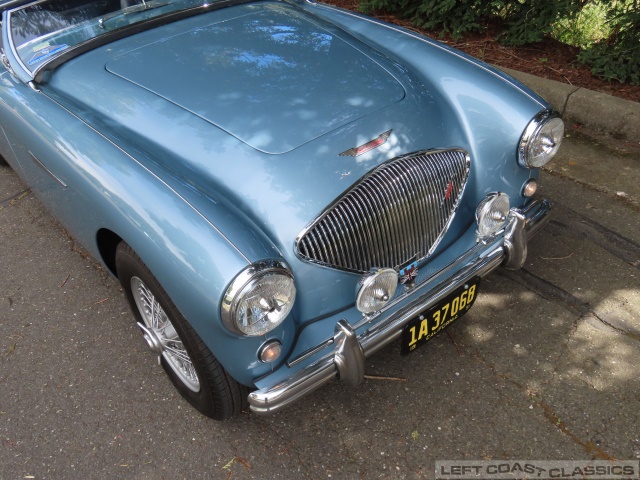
(282, 187)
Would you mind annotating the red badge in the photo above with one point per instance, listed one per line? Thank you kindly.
(449, 191)
(375, 143)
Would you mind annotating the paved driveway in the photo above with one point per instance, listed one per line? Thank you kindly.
(545, 366)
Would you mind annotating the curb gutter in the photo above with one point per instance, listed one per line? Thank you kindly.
(598, 111)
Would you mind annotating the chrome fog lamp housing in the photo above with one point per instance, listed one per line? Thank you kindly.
(492, 214)
(258, 299)
(375, 289)
(540, 140)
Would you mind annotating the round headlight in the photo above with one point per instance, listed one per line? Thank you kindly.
(540, 140)
(376, 289)
(492, 214)
(259, 299)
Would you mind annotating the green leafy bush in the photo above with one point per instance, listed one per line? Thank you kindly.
(615, 57)
(618, 56)
(454, 16)
(587, 27)
(531, 20)
(524, 20)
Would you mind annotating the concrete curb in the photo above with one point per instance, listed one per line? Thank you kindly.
(599, 111)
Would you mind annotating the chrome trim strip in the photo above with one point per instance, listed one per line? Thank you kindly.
(6, 63)
(46, 170)
(12, 45)
(309, 353)
(333, 364)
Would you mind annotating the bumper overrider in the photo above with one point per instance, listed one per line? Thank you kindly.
(347, 350)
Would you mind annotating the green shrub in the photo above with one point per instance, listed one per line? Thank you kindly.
(453, 16)
(586, 28)
(618, 56)
(524, 20)
(530, 21)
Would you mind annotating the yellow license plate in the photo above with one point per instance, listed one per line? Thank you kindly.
(427, 324)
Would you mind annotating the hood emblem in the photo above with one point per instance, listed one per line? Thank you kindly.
(375, 143)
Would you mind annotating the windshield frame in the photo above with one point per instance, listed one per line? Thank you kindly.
(37, 74)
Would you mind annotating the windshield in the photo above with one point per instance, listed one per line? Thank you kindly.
(44, 30)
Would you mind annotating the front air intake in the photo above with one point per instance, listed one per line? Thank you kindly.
(396, 213)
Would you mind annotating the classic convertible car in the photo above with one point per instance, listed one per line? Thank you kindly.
(281, 187)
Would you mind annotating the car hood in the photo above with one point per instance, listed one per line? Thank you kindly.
(247, 113)
(271, 77)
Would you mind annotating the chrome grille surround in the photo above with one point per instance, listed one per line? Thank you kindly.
(397, 213)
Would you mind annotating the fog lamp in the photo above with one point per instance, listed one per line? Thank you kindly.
(375, 290)
(492, 214)
(270, 351)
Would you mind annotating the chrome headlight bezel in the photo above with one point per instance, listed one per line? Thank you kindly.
(246, 282)
(535, 134)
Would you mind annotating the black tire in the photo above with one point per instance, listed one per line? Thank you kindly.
(219, 396)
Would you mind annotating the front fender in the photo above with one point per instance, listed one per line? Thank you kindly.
(102, 186)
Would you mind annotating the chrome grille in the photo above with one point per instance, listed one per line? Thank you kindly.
(398, 212)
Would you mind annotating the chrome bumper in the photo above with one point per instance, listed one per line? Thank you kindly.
(347, 358)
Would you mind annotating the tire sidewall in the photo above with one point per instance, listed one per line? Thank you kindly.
(129, 265)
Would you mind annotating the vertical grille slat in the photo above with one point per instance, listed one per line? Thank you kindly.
(404, 201)
(422, 205)
(342, 225)
(365, 227)
(377, 226)
(398, 212)
(385, 215)
(360, 253)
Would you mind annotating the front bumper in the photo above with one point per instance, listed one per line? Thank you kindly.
(347, 350)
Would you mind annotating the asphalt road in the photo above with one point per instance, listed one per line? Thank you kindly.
(545, 365)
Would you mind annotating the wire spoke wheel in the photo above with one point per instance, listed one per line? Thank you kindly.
(190, 365)
(162, 336)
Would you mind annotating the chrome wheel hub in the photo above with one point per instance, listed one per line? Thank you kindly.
(161, 336)
(155, 344)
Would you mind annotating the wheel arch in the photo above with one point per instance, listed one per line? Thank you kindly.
(107, 242)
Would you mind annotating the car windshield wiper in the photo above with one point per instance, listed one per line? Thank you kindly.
(140, 7)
